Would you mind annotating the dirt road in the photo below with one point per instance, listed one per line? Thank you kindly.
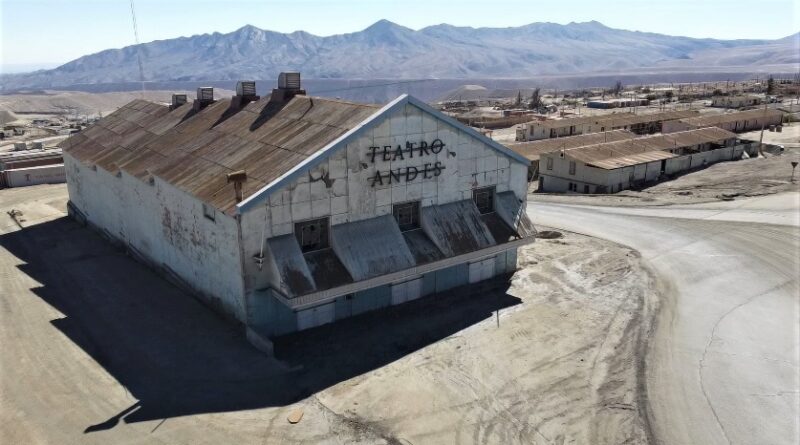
(723, 364)
(96, 349)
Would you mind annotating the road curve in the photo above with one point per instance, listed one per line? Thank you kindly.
(723, 363)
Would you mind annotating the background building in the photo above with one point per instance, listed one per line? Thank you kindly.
(747, 100)
(737, 122)
(532, 150)
(636, 123)
(614, 166)
(293, 211)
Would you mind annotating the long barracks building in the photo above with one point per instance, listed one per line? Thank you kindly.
(291, 211)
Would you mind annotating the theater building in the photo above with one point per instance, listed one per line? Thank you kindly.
(290, 211)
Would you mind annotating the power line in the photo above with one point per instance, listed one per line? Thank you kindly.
(138, 50)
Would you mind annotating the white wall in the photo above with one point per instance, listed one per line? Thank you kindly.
(350, 170)
(166, 226)
(46, 174)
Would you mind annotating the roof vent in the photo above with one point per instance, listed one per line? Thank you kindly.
(246, 88)
(245, 93)
(205, 96)
(178, 100)
(289, 80)
(288, 87)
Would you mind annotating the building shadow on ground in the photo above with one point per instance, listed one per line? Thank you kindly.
(177, 357)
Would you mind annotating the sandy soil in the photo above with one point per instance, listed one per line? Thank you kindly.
(29, 106)
(723, 364)
(723, 181)
(99, 350)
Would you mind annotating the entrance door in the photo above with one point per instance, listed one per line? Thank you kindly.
(663, 166)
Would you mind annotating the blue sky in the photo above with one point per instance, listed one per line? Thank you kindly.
(44, 33)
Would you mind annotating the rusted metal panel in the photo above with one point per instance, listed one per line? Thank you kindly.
(631, 148)
(371, 247)
(194, 150)
(295, 277)
(456, 228)
(533, 149)
(717, 119)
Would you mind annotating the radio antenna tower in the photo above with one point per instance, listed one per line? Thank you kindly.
(138, 51)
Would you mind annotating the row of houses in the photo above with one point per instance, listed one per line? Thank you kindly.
(31, 167)
(635, 123)
(290, 211)
(532, 150)
(610, 167)
(737, 122)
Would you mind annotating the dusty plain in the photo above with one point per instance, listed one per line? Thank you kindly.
(98, 349)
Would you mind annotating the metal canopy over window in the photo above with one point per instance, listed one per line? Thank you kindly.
(407, 215)
(484, 199)
(312, 235)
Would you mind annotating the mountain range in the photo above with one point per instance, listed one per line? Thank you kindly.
(386, 50)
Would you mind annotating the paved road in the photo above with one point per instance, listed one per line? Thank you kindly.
(723, 362)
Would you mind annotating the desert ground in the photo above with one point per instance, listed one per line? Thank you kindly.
(98, 349)
(673, 323)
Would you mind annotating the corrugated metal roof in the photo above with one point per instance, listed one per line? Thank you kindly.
(715, 119)
(195, 150)
(627, 161)
(533, 149)
(594, 153)
(616, 119)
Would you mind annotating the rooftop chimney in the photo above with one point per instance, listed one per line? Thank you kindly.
(178, 100)
(238, 178)
(245, 93)
(205, 96)
(246, 88)
(288, 87)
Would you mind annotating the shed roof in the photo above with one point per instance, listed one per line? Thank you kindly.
(617, 119)
(716, 119)
(626, 151)
(533, 149)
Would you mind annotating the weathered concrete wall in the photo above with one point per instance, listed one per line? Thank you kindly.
(341, 186)
(165, 227)
(46, 174)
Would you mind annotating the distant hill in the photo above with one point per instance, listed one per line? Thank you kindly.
(389, 51)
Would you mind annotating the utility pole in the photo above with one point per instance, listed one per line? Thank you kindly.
(761, 139)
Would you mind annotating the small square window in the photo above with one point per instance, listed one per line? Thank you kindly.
(209, 212)
(484, 199)
(312, 235)
(549, 163)
(407, 215)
